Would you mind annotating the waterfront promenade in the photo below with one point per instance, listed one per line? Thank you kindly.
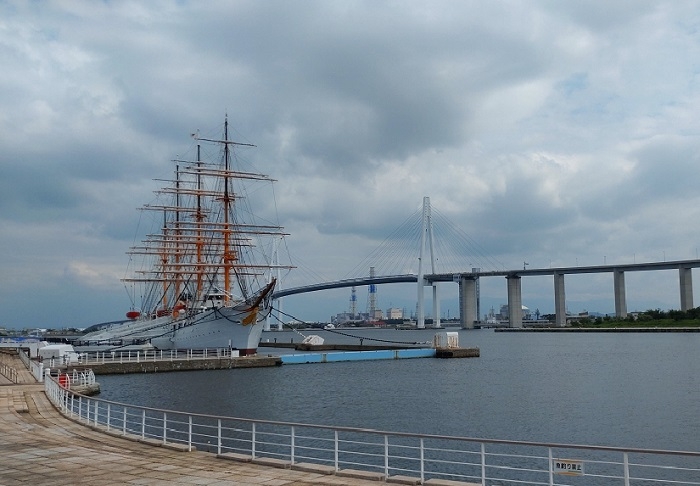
(40, 446)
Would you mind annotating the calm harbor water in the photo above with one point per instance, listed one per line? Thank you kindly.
(626, 389)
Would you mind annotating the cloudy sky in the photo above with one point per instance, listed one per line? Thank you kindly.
(557, 133)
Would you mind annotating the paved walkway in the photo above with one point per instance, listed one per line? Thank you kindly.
(40, 446)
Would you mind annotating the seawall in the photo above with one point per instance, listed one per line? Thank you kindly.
(165, 365)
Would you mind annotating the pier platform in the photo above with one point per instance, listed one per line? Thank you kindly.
(154, 362)
(160, 365)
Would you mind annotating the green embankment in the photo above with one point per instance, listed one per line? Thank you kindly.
(625, 323)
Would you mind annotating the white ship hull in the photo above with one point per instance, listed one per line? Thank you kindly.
(214, 328)
(237, 327)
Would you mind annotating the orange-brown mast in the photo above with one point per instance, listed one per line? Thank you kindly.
(199, 218)
(201, 245)
(164, 260)
(178, 235)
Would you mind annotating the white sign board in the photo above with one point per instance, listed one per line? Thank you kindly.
(570, 467)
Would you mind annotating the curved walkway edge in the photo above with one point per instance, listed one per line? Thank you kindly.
(40, 446)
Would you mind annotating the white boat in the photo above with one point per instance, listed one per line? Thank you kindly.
(202, 286)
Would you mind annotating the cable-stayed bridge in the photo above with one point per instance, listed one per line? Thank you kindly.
(463, 261)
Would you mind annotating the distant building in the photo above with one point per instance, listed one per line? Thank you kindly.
(504, 316)
(394, 313)
(346, 318)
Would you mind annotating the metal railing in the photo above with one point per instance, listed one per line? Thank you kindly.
(73, 378)
(421, 456)
(36, 368)
(85, 358)
(8, 372)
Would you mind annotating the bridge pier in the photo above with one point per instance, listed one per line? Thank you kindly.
(620, 297)
(515, 301)
(686, 287)
(559, 300)
(467, 302)
(436, 306)
(420, 313)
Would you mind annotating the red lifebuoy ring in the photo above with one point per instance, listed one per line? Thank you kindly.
(63, 380)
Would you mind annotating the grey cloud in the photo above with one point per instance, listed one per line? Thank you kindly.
(551, 130)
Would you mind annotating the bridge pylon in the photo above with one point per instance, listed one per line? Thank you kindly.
(426, 238)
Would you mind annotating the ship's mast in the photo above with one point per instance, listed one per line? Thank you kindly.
(201, 239)
(178, 273)
(164, 260)
(228, 255)
(199, 218)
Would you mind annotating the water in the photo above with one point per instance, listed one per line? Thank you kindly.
(626, 389)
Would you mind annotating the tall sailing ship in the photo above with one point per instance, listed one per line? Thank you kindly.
(210, 276)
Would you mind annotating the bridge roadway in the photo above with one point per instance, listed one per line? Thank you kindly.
(467, 286)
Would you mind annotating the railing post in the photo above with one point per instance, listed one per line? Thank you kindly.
(80, 408)
(143, 424)
(189, 433)
(96, 413)
(218, 436)
(124, 421)
(335, 449)
(551, 467)
(483, 464)
(422, 461)
(626, 461)
(386, 456)
(252, 441)
(108, 415)
(291, 454)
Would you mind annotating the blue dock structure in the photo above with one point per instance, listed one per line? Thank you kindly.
(339, 356)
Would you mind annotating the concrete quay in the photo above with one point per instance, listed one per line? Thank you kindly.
(160, 365)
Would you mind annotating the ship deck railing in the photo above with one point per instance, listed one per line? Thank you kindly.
(127, 356)
(86, 358)
(381, 454)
